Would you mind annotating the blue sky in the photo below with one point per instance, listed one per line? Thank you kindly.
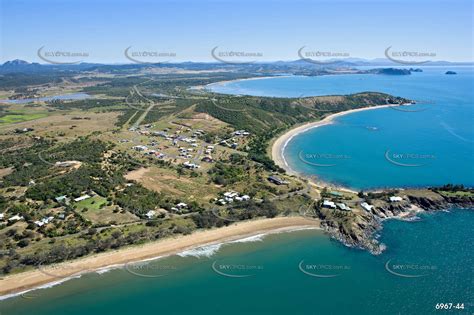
(277, 29)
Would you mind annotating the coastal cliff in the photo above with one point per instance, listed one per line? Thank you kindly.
(359, 229)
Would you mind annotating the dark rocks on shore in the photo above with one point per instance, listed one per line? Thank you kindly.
(361, 231)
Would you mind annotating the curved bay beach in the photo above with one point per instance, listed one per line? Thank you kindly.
(279, 144)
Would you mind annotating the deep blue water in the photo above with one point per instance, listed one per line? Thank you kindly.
(431, 143)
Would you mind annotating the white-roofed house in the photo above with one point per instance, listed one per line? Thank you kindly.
(329, 204)
(181, 205)
(343, 206)
(61, 198)
(150, 214)
(366, 206)
(16, 217)
(84, 197)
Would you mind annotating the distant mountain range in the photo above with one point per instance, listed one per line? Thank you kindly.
(18, 65)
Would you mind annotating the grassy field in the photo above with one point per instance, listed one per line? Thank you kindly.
(167, 181)
(98, 211)
(20, 117)
(457, 193)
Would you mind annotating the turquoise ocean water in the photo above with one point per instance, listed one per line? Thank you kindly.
(426, 262)
(431, 143)
(434, 257)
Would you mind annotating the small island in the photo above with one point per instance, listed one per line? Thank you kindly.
(393, 71)
(450, 72)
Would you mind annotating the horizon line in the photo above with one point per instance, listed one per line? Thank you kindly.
(358, 59)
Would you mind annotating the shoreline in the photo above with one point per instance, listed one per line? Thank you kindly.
(205, 87)
(279, 144)
(23, 282)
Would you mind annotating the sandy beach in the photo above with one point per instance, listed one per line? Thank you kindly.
(208, 86)
(25, 281)
(280, 143)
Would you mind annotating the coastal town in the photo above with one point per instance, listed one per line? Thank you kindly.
(104, 173)
(236, 157)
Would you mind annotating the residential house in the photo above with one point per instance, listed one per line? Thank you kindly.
(277, 180)
(16, 217)
(366, 206)
(84, 197)
(343, 206)
(329, 204)
(150, 214)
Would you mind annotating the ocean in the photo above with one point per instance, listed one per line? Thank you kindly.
(427, 144)
(428, 261)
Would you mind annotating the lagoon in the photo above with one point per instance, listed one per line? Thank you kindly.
(72, 96)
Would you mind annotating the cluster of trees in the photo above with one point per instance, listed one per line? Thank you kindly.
(16, 80)
(72, 184)
(26, 163)
(85, 104)
(139, 200)
(257, 114)
(452, 187)
(82, 149)
(95, 243)
(240, 212)
(257, 151)
(346, 102)
(37, 161)
(224, 174)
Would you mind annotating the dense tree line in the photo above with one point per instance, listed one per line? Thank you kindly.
(223, 174)
(139, 200)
